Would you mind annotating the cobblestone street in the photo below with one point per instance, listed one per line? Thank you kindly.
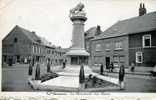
(15, 79)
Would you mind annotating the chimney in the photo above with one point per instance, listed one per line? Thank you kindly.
(142, 9)
(33, 32)
(98, 30)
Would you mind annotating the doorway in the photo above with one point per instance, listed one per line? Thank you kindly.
(74, 60)
(107, 62)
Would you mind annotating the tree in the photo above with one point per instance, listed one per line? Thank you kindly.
(37, 74)
(81, 75)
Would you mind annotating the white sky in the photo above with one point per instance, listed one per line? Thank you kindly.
(49, 18)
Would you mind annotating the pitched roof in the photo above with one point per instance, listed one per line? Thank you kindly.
(91, 32)
(134, 25)
(45, 42)
(31, 35)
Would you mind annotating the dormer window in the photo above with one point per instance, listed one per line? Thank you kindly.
(15, 40)
(146, 41)
(39, 41)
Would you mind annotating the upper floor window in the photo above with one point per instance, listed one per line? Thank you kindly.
(87, 46)
(52, 52)
(107, 46)
(48, 51)
(98, 47)
(39, 50)
(139, 57)
(33, 49)
(118, 45)
(147, 41)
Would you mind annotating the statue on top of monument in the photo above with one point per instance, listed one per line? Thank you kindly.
(78, 10)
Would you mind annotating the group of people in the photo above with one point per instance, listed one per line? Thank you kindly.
(110, 68)
(121, 73)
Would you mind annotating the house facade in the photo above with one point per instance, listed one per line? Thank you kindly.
(142, 48)
(21, 46)
(89, 35)
(105, 51)
(128, 41)
(55, 55)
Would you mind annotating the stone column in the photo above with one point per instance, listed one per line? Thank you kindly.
(78, 32)
(77, 50)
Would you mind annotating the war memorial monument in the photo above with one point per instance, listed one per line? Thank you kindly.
(77, 58)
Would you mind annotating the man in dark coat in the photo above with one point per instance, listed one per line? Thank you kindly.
(121, 76)
(101, 69)
(30, 68)
(64, 64)
(112, 66)
(48, 66)
(30, 71)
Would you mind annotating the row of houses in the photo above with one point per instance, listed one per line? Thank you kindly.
(21, 46)
(127, 41)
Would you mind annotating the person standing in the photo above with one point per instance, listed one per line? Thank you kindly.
(112, 66)
(64, 64)
(101, 69)
(30, 71)
(37, 72)
(121, 76)
(48, 66)
(132, 67)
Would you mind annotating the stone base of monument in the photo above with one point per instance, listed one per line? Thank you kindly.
(68, 81)
(74, 70)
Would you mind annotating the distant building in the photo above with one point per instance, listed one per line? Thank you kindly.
(128, 41)
(89, 35)
(21, 46)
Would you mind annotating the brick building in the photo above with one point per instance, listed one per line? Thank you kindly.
(128, 41)
(89, 35)
(21, 46)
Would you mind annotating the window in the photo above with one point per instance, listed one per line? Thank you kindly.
(118, 45)
(33, 49)
(98, 59)
(15, 40)
(39, 50)
(118, 60)
(48, 51)
(53, 52)
(98, 47)
(147, 41)
(107, 46)
(87, 46)
(139, 57)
